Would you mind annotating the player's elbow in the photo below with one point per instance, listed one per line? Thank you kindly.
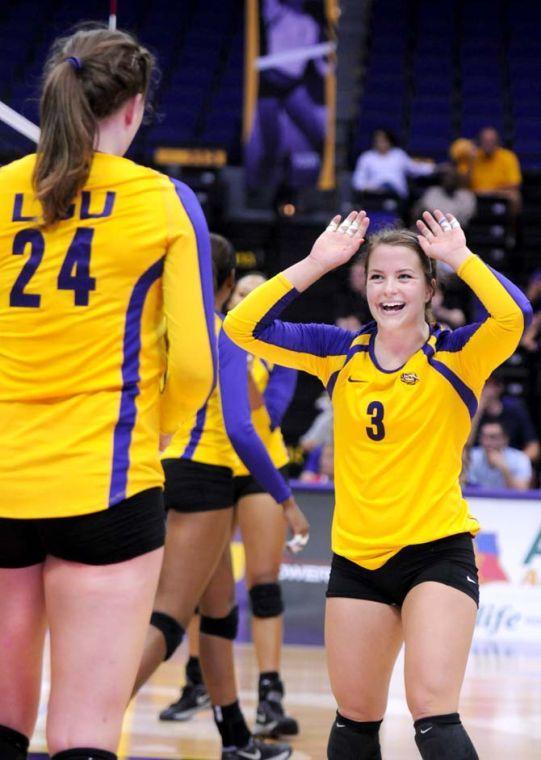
(239, 331)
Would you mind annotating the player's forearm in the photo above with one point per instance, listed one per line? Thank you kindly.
(501, 298)
(304, 273)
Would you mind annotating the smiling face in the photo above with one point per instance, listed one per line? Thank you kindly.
(397, 290)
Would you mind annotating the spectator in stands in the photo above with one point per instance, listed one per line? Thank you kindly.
(320, 431)
(496, 170)
(531, 340)
(445, 313)
(462, 152)
(494, 464)
(511, 413)
(386, 167)
(448, 196)
(351, 309)
(319, 465)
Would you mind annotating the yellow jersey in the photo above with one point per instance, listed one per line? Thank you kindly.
(224, 432)
(105, 336)
(398, 435)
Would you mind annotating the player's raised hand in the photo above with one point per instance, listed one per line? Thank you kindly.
(442, 238)
(340, 241)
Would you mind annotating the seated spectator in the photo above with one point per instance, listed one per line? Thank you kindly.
(449, 197)
(496, 170)
(444, 312)
(385, 168)
(351, 309)
(461, 153)
(511, 413)
(319, 465)
(531, 340)
(320, 431)
(494, 464)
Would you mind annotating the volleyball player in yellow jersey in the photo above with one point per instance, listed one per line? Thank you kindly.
(199, 497)
(94, 252)
(263, 530)
(403, 392)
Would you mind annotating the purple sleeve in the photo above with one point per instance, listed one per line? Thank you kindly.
(233, 378)
(195, 214)
(279, 392)
(316, 339)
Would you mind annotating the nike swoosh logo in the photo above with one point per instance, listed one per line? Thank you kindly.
(471, 580)
(426, 730)
(354, 380)
(340, 725)
(251, 755)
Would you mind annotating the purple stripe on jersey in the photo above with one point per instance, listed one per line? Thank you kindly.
(130, 382)
(195, 214)
(455, 340)
(517, 295)
(196, 433)
(465, 393)
(273, 312)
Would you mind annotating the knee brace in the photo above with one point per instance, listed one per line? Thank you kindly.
(353, 740)
(266, 600)
(224, 627)
(84, 753)
(13, 745)
(443, 737)
(172, 631)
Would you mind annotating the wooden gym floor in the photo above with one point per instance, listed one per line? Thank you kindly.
(501, 707)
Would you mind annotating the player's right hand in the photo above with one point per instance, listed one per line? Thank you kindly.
(340, 241)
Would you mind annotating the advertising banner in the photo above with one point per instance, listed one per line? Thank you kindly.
(290, 94)
(508, 551)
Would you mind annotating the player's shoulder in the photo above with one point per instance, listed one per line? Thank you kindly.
(20, 169)
(453, 341)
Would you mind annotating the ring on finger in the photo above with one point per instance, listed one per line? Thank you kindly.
(332, 227)
(445, 225)
(352, 229)
(454, 224)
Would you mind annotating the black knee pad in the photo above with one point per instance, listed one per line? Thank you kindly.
(266, 600)
(172, 631)
(443, 737)
(224, 627)
(354, 740)
(13, 745)
(84, 753)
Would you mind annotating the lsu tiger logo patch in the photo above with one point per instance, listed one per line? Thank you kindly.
(410, 378)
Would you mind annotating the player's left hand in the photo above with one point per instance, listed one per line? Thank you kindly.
(298, 523)
(442, 238)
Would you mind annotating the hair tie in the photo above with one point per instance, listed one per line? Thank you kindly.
(75, 62)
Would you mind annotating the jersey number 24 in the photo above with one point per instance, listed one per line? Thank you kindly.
(74, 273)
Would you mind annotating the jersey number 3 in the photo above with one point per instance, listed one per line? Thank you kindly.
(376, 431)
(74, 273)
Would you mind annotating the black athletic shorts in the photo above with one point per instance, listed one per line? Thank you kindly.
(196, 487)
(130, 528)
(244, 485)
(448, 560)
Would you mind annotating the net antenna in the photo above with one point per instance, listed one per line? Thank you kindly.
(19, 122)
(112, 14)
(23, 125)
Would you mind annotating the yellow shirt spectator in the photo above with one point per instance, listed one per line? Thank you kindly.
(496, 171)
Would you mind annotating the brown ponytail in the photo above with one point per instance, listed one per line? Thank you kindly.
(88, 76)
